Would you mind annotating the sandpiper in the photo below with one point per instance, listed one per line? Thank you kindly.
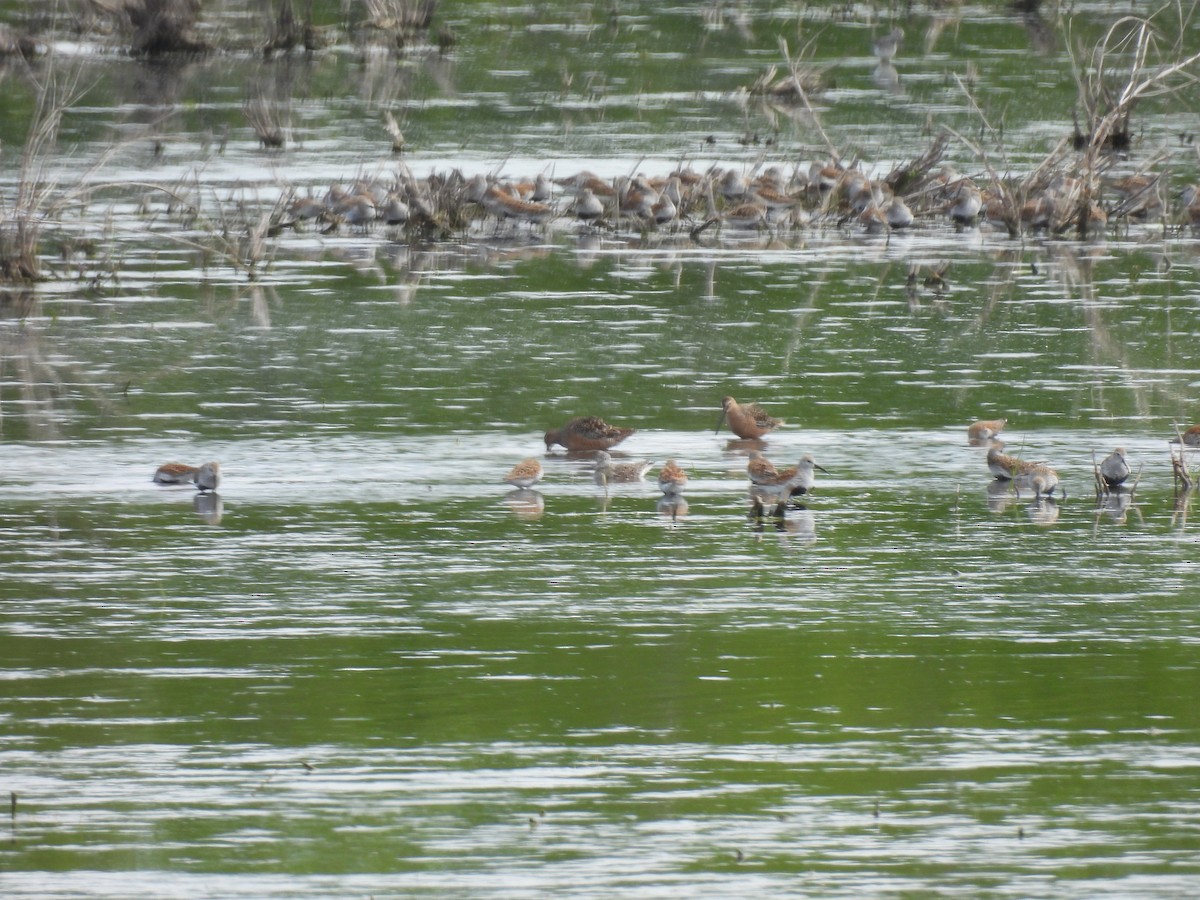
(1001, 464)
(672, 479)
(525, 474)
(968, 203)
(587, 433)
(885, 47)
(897, 214)
(800, 478)
(208, 476)
(746, 215)
(1038, 477)
(765, 479)
(503, 205)
(748, 421)
(1191, 437)
(175, 473)
(984, 430)
(607, 471)
(588, 207)
(1114, 468)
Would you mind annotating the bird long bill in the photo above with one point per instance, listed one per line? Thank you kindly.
(720, 422)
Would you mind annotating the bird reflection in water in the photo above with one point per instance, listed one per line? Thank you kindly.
(1043, 510)
(793, 521)
(1000, 496)
(209, 507)
(1116, 505)
(526, 504)
(674, 506)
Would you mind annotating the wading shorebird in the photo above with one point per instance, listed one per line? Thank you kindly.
(588, 207)
(208, 476)
(175, 473)
(607, 471)
(587, 433)
(1114, 468)
(762, 472)
(984, 430)
(1191, 437)
(672, 479)
(748, 421)
(1003, 466)
(1037, 477)
(800, 478)
(966, 206)
(885, 47)
(525, 474)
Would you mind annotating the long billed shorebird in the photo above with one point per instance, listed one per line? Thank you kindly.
(1114, 468)
(607, 471)
(525, 474)
(984, 430)
(587, 433)
(672, 479)
(748, 421)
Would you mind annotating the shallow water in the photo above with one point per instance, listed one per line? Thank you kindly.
(368, 667)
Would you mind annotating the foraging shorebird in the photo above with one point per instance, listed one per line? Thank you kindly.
(503, 206)
(762, 471)
(897, 214)
(587, 433)
(588, 207)
(748, 421)
(175, 473)
(208, 476)
(1191, 437)
(1024, 475)
(525, 474)
(1001, 464)
(885, 47)
(767, 481)
(746, 215)
(1114, 468)
(800, 478)
(984, 430)
(968, 203)
(1038, 477)
(607, 471)
(672, 479)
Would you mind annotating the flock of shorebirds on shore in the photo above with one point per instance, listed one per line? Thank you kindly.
(770, 485)
(766, 198)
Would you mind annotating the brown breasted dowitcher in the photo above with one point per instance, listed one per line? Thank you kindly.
(587, 433)
(748, 421)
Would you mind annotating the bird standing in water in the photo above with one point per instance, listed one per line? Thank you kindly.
(748, 421)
